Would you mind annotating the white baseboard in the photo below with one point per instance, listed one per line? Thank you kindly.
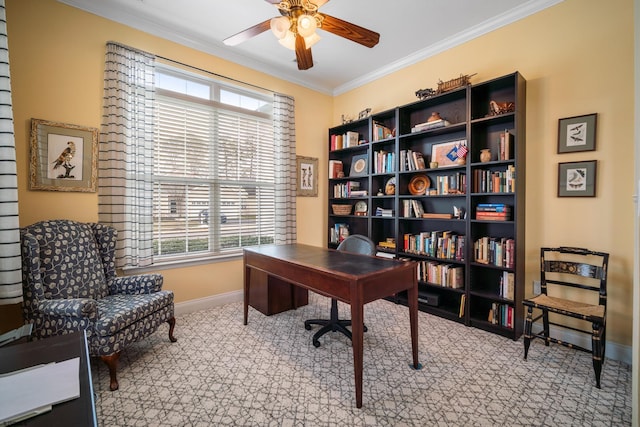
(613, 350)
(208, 302)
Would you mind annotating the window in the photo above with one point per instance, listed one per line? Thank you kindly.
(214, 187)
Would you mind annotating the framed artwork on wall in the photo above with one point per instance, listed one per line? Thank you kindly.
(307, 176)
(577, 133)
(64, 157)
(577, 179)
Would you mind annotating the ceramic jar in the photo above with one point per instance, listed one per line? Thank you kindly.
(485, 155)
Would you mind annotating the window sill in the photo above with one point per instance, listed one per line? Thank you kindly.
(183, 262)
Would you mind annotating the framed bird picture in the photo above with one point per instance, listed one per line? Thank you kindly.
(63, 157)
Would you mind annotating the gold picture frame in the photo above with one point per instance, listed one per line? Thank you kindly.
(64, 157)
(307, 176)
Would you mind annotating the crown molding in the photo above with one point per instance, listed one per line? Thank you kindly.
(449, 43)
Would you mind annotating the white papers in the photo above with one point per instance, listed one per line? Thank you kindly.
(34, 390)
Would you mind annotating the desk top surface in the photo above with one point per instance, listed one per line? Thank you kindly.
(80, 411)
(336, 262)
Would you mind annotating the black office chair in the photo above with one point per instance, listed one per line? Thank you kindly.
(357, 244)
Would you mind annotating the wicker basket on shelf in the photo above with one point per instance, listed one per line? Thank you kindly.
(341, 209)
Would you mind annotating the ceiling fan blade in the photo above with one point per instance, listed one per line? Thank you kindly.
(248, 33)
(303, 55)
(350, 31)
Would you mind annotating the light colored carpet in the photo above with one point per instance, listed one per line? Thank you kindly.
(268, 373)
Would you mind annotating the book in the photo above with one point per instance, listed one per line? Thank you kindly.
(418, 160)
(351, 139)
(437, 215)
(506, 145)
(434, 124)
(418, 210)
(335, 168)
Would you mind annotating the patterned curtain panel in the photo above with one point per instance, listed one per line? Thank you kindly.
(10, 266)
(125, 181)
(285, 170)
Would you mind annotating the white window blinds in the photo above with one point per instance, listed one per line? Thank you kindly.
(214, 187)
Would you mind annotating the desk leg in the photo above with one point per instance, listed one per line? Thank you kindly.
(412, 295)
(357, 332)
(247, 281)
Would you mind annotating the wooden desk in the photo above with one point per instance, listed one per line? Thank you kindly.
(350, 278)
(76, 412)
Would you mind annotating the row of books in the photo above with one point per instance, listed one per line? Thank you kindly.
(411, 161)
(498, 251)
(338, 232)
(493, 212)
(412, 208)
(451, 184)
(437, 244)
(507, 285)
(488, 181)
(501, 314)
(384, 162)
(381, 132)
(383, 212)
(346, 140)
(348, 189)
(445, 275)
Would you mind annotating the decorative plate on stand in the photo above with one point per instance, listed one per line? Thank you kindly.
(419, 185)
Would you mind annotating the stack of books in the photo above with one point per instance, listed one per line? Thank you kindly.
(434, 124)
(493, 212)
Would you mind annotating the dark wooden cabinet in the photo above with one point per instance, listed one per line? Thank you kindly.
(475, 261)
(271, 295)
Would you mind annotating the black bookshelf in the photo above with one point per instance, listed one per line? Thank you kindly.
(476, 291)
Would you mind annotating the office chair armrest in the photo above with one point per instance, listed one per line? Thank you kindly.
(139, 284)
(71, 307)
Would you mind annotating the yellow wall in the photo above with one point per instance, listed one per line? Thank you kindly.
(577, 58)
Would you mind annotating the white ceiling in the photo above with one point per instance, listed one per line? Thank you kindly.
(410, 31)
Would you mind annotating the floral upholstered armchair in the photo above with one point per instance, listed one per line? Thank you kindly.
(70, 284)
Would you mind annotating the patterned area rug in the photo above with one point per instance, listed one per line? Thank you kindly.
(268, 373)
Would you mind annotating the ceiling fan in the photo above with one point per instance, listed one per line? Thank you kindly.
(296, 29)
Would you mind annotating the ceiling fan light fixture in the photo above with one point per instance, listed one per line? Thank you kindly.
(280, 26)
(289, 40)
(311, 40)
(307, 25)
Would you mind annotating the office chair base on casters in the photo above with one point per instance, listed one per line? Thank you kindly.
(330, 325)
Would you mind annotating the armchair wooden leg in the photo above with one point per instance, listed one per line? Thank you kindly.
(112, 363)
(172, 324)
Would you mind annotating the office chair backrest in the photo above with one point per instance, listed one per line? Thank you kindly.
(358, 244)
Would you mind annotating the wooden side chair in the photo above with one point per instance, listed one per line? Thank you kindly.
(567, 277)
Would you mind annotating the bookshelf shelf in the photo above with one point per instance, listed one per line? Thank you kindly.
(458, 189)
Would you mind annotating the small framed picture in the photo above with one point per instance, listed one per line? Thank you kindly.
(577, 133)
(307, 173)
(64, 157)
(577, 179)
